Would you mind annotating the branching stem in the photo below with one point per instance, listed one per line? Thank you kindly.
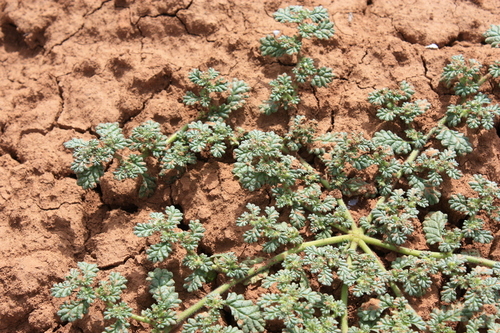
(355, 239)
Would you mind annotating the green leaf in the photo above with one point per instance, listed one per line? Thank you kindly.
(111, 290)
(131, 167)
(283, 95)
(278, 46)
(196, 280)
(89, 178)
(324, 30)
(398, 145)
(494, 69)
(323, 77)
(492, 35)
(318, 14)
(455, 140)
(121, 312)
(62, 289)
(247, 314)
(148, 186)
(111, 136)
(71, 311)
(434, 228)
(160, 277)
(463, 75)
(159, 252)
(291, 14)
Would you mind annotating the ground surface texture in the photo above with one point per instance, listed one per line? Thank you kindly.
(66, 66)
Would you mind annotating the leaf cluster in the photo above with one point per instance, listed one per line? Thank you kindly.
(310, 24)
(147, 141)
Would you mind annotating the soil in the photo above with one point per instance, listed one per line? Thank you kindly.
(67, 66)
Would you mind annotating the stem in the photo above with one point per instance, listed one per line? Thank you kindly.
(483, 79)
(394, 286)
(344, 296)
(255, 271)
(174, 136)
(141, 319)
(369, 251)
(438, 255)
(356, 238)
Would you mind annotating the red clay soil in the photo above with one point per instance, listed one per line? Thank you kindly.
(67, 66)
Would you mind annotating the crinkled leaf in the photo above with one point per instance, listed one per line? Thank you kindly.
(247, 314)
(492, 36)
(434, 228)
(71, 311)
(455, 140)
(398, 145)
(159, 252)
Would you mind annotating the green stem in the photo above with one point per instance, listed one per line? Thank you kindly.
(256, 271)
(393, 286)
(483, 79)
(367, 250)
(133, 316)
(174, 136)
(438, 255)
(141, 319)
(344, 296)
(356, 238)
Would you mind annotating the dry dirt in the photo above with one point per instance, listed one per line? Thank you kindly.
(67, 66)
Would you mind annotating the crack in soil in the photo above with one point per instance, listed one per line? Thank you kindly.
(80, 28)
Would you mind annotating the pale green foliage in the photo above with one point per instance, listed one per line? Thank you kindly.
(395, 218)
(267, 228)
(283, 94)
(463, 75)
(394, 103)
(455, 141)
(301, 133)
(492, 35)
(260, 160)
(365, 276)
(162, 313)
(310, 24)
(477, 113)
(414, 273)
(494, 69)
(210, 85)
(198, 137)
(90, 156)
(436, 233)
(473, 225)
(80, 283)
(245, 312)
(319, 26)
(398, 145)
(305, 70)
(340, 217)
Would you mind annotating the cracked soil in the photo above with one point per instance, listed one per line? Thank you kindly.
(66, 66)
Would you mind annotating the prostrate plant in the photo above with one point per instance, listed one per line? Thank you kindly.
(316, 258)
